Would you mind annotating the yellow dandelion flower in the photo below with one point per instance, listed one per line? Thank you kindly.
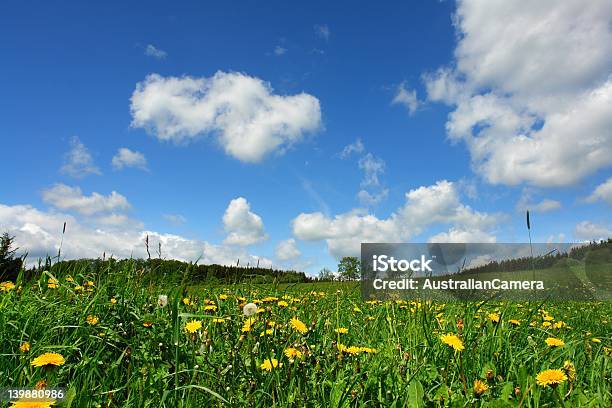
(298, 325)
(493, 317)
(25, 347)
(293, 353)
(7, 286)
(223, 297)
(341, 347)
(368, 350)
(69, 279)
(356, 309)
(546, 324)
(570, 370)
(48, 359)
(553, 342)
(341, 330)
(282, 303)
(52, 283)
(353, 350)
(453, 341)
(480, 388)
(548, 318)
(270, 364)
(147, 324)
(78, 288)
(113, 301)
(193, 326)
(267, 332)
(514, 322)
(218, 320)
(210, 308)
(550, 378)
(186, 301)
(248, 325)
(92, 320)
(596, 340)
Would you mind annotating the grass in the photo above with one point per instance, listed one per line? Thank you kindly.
(140, 354)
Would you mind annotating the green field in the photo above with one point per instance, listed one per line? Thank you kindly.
(121, 348)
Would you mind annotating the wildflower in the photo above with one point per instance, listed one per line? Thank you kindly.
(550, 378)
(493, 317)
(210, 308)
(48, 359)
(453, 341)
(368, 350)
(222, 297)
(596, 340)
(514, 322)
(293, 353)
(552, 342)
(298, 325)
(267, 332)
(546, 324)
(218, 320)
(113, 301)
(282, 303)
(52, 283)
(249, 309)
(480, 388)
(162, 300)
(147, 324)
(341, 330)
(78, 288)
(29, 403)
(356, 309)
(193, 326)
(25, 347)
(570, 370)
(269, 364)
(186, 301)
(7, 286)
(92, 320)
(248, 325)
(353, 350)
(69, 279)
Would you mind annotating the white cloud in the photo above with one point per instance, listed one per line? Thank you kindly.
(407, 98)
(425, 206)
(248, 120)
(176, 219)
(372, 167)
(525, 203)
(322, 31)
(603, 192)
(287, 249)
(243, 226)
(129, 158)
(586, 230)
(370, 199)
(72, 199)
(78, 162)
(463, 235)
(532, 89)
(356, 147)
(153, 51)
(39, 233)
(278, 50)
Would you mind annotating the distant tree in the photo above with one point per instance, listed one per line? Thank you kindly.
(9, 265)
(349, 268)
(326, 275)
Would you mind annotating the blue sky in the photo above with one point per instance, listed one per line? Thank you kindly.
(235, 117)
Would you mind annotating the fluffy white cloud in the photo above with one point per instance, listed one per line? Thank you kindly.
(249, 121)
(369, 199)
(243, 226)
(356, 147)
(526, 202)
(532, 89)
(287, 249)
(603, 192)
(427, 205)
(129, 158)
(587, 230)
(39, 233)
(78, 162)
(372, 168)
(153, 51)
(407, 98)
(463, 235)
(72, 199)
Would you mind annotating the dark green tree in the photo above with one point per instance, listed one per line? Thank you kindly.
(349, 268)
(9, 264)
